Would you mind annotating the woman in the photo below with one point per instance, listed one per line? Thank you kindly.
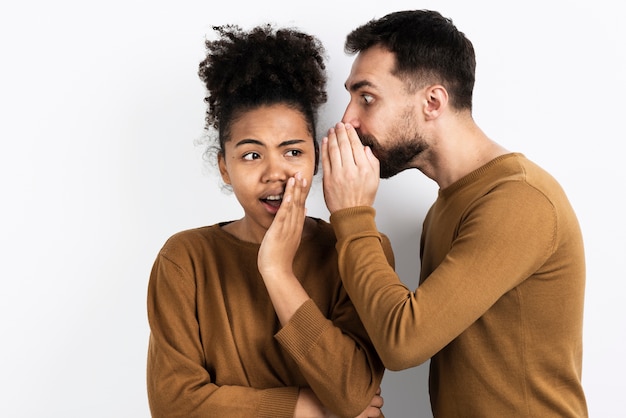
(245, 321)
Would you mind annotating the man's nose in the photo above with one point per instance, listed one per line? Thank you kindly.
(350, 115)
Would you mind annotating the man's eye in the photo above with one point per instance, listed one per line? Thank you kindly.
(368, 99)
(251, 156)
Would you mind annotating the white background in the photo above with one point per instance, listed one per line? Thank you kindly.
(100, 106)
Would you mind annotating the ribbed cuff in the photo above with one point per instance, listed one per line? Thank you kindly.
(359, 220)
(303, 330)
(278, 402)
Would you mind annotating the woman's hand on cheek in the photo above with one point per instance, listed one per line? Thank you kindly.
(282, 239)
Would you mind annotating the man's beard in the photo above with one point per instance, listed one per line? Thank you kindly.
(397, 156)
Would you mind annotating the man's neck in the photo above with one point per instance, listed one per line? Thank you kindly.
(458, 152)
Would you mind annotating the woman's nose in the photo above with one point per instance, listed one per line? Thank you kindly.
(276, 170)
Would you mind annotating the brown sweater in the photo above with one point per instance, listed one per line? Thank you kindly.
(216, 346)
(499, 307)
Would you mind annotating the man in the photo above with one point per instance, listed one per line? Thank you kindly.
(499, 307)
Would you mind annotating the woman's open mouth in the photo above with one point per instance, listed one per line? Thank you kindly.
(273, 202)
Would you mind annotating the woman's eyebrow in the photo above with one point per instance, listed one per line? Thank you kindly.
(291, 142)
(249, 141)
(257, 142)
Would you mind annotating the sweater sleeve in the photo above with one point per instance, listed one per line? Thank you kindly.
(501, 242)
(178, 383)
(335, 354)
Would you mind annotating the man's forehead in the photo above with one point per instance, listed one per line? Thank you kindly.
(369, 67)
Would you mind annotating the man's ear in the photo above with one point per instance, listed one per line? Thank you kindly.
(222, 166)
(436, 101)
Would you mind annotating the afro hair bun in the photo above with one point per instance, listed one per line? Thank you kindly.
(246, 69)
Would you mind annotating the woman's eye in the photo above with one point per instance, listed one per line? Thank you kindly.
(293, 153)
(251, 156)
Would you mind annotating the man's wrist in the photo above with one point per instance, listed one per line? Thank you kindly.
(355, 220)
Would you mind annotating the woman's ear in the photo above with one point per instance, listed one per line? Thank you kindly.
(222, 166)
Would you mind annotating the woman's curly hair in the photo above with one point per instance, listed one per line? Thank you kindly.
(264, 66)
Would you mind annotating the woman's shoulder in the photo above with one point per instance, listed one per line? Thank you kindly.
(198, 241)
(192, 235)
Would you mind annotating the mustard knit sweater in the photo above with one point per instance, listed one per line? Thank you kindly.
(499, 307)
(216, 346)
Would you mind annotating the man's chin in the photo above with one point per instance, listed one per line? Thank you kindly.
(388, 173)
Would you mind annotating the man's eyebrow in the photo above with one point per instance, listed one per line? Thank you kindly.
(358, 85)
